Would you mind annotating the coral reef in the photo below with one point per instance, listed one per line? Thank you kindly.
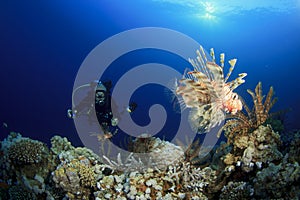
(254, 149)
(27, 151)
(177, 182)
(25, 162)
(76, 178)
(81, 174)
(241, 123)
(20, 193)
(294, 150)
(236, 191)
(251, 167)
(75, 173)
(253, 142)
(278, 181)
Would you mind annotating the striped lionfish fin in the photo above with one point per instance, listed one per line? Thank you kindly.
(212, 54)
(217, 72)
(232, 64)
(238, 81)
(205, 81)
(222, 59)
(193, 90)
(200, 63)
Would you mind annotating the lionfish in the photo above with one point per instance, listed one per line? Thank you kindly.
(207, 92)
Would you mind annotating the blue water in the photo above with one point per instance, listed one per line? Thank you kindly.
(43, 44)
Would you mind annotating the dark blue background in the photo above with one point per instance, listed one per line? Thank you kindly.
(44, 42)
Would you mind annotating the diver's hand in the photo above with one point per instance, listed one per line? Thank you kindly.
(71, 113)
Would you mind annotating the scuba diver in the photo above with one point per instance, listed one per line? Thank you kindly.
(103, 109)
(102, 105)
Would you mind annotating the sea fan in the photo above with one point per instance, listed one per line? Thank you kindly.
(207, 93)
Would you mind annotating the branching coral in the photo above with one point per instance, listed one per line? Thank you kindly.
(241, 123)
(146, 152)
(79, 174)
(236, 190)
(18, 192)
(76, 178)
(24, 156)
(27, 151)
(253, 141)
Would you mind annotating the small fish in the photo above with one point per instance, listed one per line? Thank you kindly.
(131, 107)
(5, 125)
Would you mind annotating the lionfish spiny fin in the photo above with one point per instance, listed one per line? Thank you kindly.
(222, 59)
(238, 81)
(212, 54)
(232, 64)
(201, 76)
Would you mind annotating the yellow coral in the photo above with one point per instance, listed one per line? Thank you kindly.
(87, 175)
(229, 159)
(76, 178)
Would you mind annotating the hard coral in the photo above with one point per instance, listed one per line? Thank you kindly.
(236, 190)
(260, 146)
(18, 192)
(86, 174)
(76, 178)
(59, 144)
(294, 153)
(27, 151)
(279, 181)
(149, 152)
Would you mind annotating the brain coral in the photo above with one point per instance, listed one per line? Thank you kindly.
(27, 151)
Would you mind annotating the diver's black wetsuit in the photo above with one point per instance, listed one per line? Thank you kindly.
(103, 111)
(103, 107)
(100, 91)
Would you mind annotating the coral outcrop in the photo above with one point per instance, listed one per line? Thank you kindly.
(26, 162)
(75, 173)
(20, 193)
(281, 181)
(242, 123)
(26, 152)
(76, 178)
(252, 167)
(253, 142)
(236, 191)
(294, 153)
